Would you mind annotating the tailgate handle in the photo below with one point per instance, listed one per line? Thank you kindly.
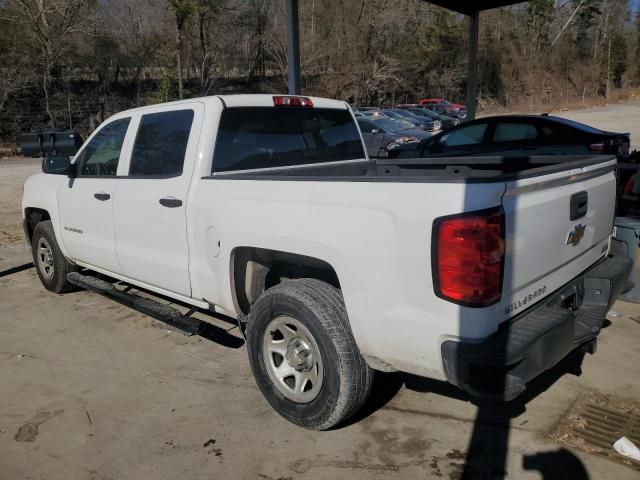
(579, 205)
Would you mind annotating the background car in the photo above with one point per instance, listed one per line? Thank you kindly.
(382, 135)
(424, 123)
(446, 121)
(443, 110)
(520, 136)
(448, 106)
(366, 109)
(368, 112)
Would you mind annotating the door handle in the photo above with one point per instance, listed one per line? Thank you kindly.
(103, 197)
(170, 202)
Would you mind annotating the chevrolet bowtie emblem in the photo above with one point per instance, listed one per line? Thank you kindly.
(576, 235)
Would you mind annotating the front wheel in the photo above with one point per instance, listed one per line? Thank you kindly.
(303, 355)
(50, 263)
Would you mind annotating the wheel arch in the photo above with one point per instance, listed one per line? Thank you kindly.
(254, 270)
(32, 217)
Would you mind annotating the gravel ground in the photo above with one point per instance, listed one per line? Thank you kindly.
(619, 117)
(13, 173)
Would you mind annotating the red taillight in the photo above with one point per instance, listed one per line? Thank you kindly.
(290, 101)
(597, 147)
(468, 257)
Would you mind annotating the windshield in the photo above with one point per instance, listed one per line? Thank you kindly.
(400, 117)
(425, 113)
(399, 113)
(263, 137)
(390, 125)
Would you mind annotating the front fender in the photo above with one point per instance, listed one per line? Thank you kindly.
(41, 191)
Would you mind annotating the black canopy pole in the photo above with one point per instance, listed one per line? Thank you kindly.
(472, 76)
(293, 47)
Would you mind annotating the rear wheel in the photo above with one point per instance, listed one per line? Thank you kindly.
(50, 263)
(303, 354)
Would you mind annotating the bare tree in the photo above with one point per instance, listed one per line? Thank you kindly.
(71, 58)
(184, 10)
(53, 22)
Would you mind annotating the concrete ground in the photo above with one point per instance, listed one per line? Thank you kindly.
(92, 390)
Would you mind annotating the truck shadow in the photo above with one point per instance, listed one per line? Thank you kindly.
(387, 386)
(487, 450)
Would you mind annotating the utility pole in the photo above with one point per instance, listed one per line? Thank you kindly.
(472, 79)
(293, 47)
(608, 85)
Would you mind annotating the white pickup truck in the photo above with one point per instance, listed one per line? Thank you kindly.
(483, 272)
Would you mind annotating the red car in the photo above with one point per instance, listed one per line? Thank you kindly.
(441, 101)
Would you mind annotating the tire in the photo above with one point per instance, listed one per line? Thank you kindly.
(50, 263)
(338, 380)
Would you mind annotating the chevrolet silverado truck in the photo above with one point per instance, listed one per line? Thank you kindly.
(483, 272)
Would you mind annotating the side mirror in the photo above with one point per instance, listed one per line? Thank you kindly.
(57, 165)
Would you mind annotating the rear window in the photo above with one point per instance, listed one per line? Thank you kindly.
(263, 137)
(578, 125)
(389, 125)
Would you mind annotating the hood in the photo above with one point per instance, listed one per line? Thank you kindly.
(411, 132)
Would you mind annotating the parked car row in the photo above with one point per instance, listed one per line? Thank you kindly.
(518, 136)
(433, 128)
(410, 124)
(383, 134)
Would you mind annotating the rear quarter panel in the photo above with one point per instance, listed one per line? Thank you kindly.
(377, 237)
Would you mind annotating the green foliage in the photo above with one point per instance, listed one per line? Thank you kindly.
(619, 58)
(539, 21)
(184, 10)
(165, 91)
(589, 12)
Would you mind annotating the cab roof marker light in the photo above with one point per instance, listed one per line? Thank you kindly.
(291, 101)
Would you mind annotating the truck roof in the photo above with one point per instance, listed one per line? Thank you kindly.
(243, 100)
(266, 100)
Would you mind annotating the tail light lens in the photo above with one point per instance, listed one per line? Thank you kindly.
(468, 257)
(291, 101)
(597, 147)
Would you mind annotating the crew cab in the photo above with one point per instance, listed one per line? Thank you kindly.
(266, 208)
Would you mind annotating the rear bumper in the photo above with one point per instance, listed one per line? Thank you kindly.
(500, 366)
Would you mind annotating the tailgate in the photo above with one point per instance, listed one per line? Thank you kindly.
(557, 225)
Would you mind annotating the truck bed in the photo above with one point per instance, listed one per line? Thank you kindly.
(448, 170)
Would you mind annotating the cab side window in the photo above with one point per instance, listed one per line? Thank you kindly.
(471, 135)
(555, 134)
(100, 157)
(161, 144)
(514, 132)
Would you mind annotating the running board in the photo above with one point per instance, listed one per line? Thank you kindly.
(164, 313)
